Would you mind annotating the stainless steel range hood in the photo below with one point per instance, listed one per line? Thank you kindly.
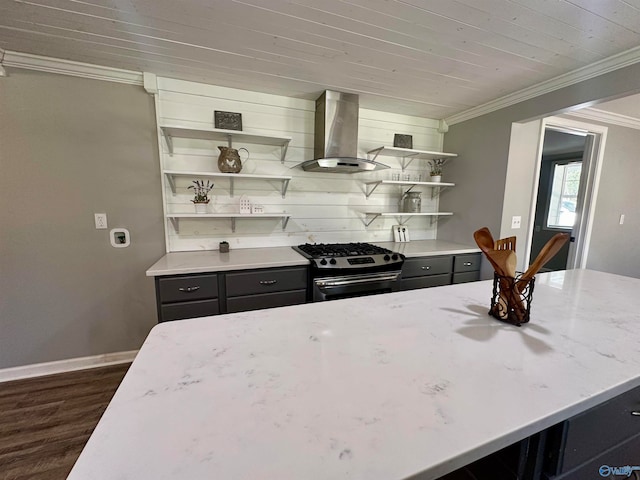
(335, 146)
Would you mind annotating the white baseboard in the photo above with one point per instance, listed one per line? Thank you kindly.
(62, 366)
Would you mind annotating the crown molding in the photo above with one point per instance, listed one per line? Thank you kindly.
(609, 64)
(68, 67)
(606, 117)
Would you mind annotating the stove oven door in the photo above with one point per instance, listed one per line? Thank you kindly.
(347, 286)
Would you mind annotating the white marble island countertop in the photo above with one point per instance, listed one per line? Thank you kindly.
(378, 388)
(177, 263)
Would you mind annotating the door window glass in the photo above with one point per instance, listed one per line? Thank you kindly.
(564, 195)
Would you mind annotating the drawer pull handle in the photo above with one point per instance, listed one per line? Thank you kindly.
(467, 264)
(189, 289)
(635, 413)
(268, 282)
(426, 268)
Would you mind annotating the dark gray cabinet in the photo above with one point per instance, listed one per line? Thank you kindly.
(435, 271)
(267, 288)
(466, 268)
(608, 434)
(188, 296)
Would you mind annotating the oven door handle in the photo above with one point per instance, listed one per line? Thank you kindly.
(342, 281)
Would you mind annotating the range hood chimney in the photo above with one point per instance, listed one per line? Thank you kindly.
(335, 146)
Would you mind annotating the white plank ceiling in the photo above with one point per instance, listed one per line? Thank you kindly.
(431, 58)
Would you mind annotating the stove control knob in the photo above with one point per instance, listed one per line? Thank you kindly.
(387, 258)
(323, 261)
(394, 257)
(333, 261)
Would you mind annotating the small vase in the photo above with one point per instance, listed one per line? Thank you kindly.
(201, 207)
(436, 178)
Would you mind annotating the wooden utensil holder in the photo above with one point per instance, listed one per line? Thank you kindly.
(508, 303)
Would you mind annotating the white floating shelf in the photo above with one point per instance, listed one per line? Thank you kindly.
(400, 216)
(371, 186)
(173, 174)
(409, 154)
(175, 217)
(219, 135)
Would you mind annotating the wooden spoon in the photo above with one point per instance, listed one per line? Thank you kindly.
(550, 249)
(506, 260)
(484, 239)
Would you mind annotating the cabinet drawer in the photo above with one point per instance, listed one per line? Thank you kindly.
(266, 300)
(417, 267)
(465, 277)
(265, 281)
(178, 311)
(188, 288)
(625, 453)
(600, 428)
(466, 263)
(424, 282)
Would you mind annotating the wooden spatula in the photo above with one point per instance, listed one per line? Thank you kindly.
(550, 249)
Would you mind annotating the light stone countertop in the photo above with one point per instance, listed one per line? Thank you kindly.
(177, 263)
(378, 388)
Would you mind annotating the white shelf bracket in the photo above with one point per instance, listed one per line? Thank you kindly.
(435, 191)
(169, 140)
(285, 185)
(231, 187)
(172, 183)
(371, 188)
(375, 215)
(283, 153)
(176, 224)
(285, 220)
(233, 224)
(406, 161)
(229, 140)
(375, 152)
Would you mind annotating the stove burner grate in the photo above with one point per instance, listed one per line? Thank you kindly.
(341, 249)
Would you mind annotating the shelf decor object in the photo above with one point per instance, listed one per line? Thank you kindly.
(227, 120)
(402, 141)
(201, 195)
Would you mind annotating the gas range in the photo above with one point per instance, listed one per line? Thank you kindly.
(349, 255)
(342, 270)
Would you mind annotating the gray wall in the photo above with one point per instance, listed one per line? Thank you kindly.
(482, 145)
(70, 147)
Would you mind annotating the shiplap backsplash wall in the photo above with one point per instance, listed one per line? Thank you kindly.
(323, 207)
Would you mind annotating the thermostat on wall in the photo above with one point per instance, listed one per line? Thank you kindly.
(120, 237)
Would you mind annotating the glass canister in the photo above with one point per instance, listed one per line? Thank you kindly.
(412, 202)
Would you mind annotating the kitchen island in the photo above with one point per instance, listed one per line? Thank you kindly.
(404, 385)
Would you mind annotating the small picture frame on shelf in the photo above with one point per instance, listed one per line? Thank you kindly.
(402, 141)
(227, 120)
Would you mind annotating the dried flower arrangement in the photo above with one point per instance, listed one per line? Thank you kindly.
(436, 166)
(201, 191)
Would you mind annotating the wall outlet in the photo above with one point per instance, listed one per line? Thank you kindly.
(101, 221)
(515, 222)
(400, 233)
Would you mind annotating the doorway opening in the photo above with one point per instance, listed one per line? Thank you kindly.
(568, 173)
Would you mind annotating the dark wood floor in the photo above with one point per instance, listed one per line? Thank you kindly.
(45, 421)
